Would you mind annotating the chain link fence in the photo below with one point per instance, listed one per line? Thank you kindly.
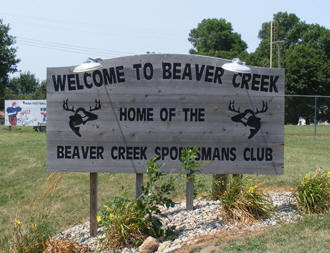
(307, 110)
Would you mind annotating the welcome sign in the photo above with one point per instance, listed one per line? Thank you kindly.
(116, 118)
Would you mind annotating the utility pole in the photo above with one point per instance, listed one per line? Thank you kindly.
(279, 52)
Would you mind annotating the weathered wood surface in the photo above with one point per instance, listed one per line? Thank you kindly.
(138, 185)
(93, 204)
(214, 129)
(189, 194)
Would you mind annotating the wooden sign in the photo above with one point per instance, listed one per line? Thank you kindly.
(118, 117)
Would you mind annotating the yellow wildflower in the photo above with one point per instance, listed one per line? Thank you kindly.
(33, 227)
(107, 208)
(111, 216)
(251, 190)
(98, 218)
(307, 176)
(328, 174)
(17, 222)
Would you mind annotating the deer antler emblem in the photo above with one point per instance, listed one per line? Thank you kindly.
(248, 117)
(81, 116)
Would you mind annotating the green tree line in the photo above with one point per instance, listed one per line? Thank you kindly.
(305, 52)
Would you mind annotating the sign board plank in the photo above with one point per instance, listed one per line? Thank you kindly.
(116, 118)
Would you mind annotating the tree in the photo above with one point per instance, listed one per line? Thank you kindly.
(305, 57)
(215, 37)
(8, 59)
(41, 91)
(25, 84)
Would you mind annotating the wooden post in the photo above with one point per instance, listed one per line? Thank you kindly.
(93, 204)
(189, 193)
(138, 185)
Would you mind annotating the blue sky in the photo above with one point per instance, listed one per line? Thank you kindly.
(64, 33)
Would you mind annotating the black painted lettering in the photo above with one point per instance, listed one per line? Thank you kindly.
(67, 152)
(114, 150)
(71, 82)
(87, 84)
(269, 154)
(176, 70)
(59, 82)
(245, 81)
(245, 155)
(121, 153)
(166, 70)
(235, 84)
(92, 152)
(97, 78)
(264, 83)
(255, 82)
(232, 154)
(216, 154)
(109, 75)
(122, 113)
(85, 151)
(199, 72)
(225, 153)
(100, 151)
(187, 72)
(60, 153)
(120, 74)
(129, 153)
(217, 75)
(272, 86)
(209, 73)
(75, 153)
(79, 86)
(148, 71)
(137, 68)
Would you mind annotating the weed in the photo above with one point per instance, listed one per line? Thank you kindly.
(313, 192)
(189, 165)
(31, 237)
(128, 222)
(244, 201)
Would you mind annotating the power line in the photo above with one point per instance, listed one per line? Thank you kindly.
(69, 47)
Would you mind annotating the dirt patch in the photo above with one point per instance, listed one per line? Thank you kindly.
(209, 243)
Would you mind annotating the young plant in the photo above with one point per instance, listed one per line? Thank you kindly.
(128, 222)
(244, 201)
(189, 164)
(31, 237)
(313, 192)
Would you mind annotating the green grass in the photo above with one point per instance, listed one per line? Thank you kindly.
(23, 176)
(309, 235)
(303, 153)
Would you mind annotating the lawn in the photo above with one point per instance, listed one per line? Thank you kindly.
(26, 192)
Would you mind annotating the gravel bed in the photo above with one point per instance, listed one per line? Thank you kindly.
(190, 225)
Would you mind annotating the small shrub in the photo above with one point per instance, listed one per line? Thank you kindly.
(31, 237)
(190, 166)
(245, 202)
(128, 222)
(313, 192)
